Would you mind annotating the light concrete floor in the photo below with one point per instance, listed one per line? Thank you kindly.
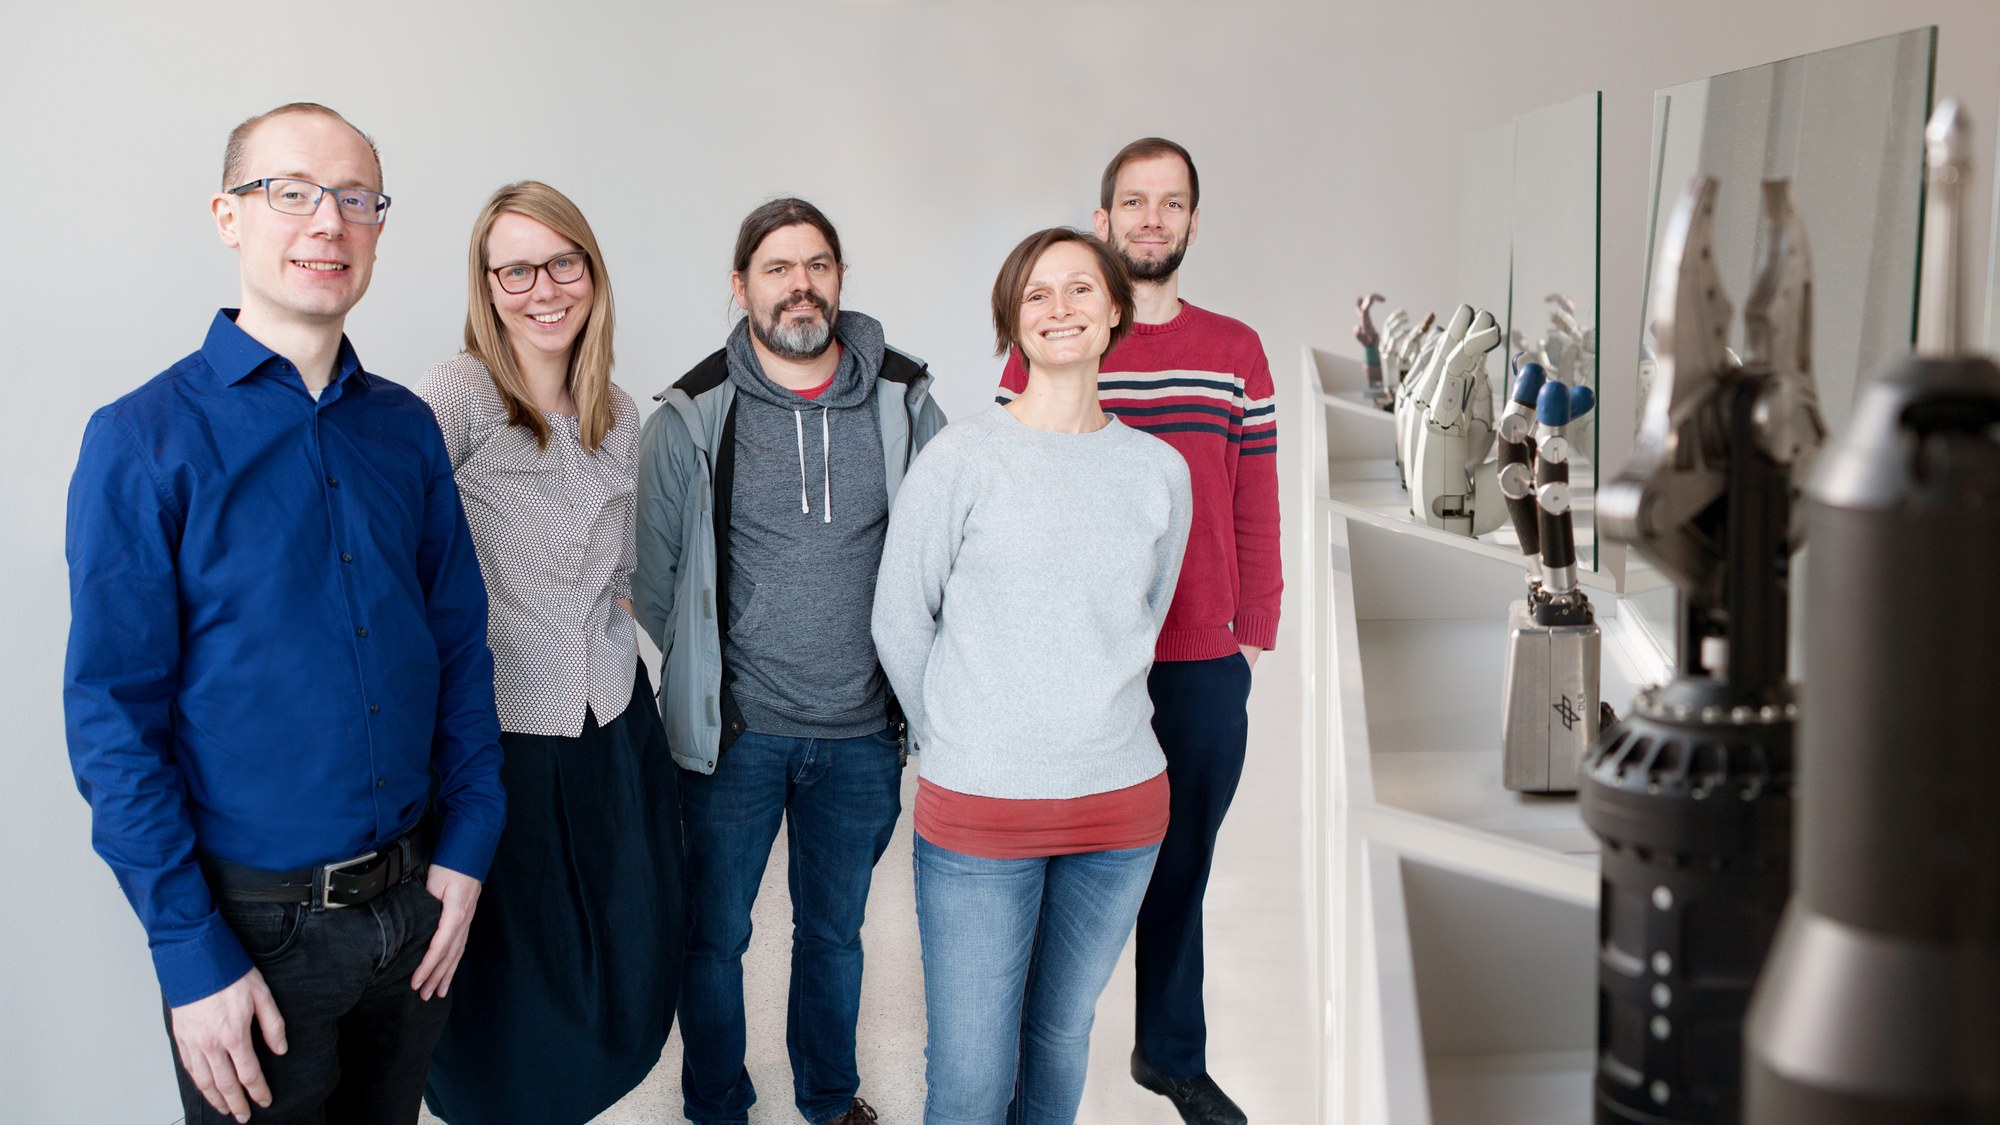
(1259, 1003)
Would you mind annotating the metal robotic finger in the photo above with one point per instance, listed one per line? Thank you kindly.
(1516, 459)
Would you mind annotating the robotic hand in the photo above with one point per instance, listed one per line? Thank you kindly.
(1452, 485)
(1692, 792)
(1551, 700)
(1414, 401)
(1369, 339)
(1569, 352)
(1406, 358)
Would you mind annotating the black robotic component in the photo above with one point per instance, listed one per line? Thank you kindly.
(1691, 793)
(1881, 1000)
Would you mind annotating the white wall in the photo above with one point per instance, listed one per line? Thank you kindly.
(935, 136)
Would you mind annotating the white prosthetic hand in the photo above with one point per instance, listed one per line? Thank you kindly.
(1415, 404)
(1393, 331)
(1452, 485)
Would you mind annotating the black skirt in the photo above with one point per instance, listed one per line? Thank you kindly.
(566, 993)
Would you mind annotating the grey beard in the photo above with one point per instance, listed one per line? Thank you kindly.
(1147, 269)
(798, 344)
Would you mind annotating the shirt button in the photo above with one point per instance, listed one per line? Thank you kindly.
(374, 708)
(345, 557)
(381, 783)
(362, 631)
(333, 482)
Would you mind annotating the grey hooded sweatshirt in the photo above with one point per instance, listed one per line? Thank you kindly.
(809, 510)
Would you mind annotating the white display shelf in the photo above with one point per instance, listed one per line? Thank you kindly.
(1359, 454)
(1461, 917)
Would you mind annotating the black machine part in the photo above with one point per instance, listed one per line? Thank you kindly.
(1881, 1002)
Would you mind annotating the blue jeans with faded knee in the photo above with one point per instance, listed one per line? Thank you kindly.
(1016, 953)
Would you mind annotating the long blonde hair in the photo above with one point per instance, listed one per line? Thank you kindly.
(590, 357)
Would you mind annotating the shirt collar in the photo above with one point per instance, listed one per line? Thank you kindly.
(234, 355)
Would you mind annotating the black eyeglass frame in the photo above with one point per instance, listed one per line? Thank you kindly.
(538, 269)
(371, 219)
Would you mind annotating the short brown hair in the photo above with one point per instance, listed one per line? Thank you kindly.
(775, 216)
(1013, 282)
(239, 139)
(590, 355)
(1145, 148)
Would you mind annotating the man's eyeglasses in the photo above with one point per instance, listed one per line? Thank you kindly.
(562, 269)
(301, 197)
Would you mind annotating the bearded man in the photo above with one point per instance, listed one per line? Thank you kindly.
(765, 482)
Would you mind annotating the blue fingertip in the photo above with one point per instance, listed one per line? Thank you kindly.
(1553, 406)
(1581, 399)
(1528, 383)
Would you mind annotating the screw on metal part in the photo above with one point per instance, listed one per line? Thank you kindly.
(1663, 898)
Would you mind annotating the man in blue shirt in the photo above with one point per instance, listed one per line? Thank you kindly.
(278, 693)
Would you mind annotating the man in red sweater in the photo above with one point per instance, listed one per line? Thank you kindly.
(1198, 381)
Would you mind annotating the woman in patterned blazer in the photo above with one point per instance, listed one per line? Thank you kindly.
(567, 989)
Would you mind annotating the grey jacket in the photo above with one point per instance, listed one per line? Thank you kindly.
(686, 467)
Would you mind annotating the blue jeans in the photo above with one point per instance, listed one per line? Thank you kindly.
(839, 798)
(1016, 953)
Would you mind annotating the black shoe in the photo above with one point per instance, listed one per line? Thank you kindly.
(1199, 1099)
(860, 1113)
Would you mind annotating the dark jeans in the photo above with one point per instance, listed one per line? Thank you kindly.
(1200, 718)
(839, 798)
(359, 1038)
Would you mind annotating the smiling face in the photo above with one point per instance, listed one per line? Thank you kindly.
(791, 291)
(1067, 313)
(1151, 220)
(304, 270)
(549, 317)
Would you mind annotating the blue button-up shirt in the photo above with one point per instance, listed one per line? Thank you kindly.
(278, 637)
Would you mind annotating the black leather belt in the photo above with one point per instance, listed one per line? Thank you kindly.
(330, 886)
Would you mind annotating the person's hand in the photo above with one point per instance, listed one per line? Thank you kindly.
(1250, 654)
(460, 894)
(212, 1035)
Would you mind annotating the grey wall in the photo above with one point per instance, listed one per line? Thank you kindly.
(935, 135)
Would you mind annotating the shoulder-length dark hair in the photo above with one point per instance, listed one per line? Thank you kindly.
(1012, 284)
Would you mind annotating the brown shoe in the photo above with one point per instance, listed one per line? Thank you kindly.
(861, 1113)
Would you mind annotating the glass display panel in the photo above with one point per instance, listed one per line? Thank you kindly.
(1846, 126)
(1557, 169)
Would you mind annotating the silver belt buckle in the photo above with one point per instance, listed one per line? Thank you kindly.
(326, 880)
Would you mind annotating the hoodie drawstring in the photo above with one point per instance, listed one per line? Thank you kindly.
(825, 463)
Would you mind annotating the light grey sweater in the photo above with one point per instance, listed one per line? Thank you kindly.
(1023, 584)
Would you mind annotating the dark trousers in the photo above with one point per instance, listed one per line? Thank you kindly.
(1201, 719)
(359, 1037)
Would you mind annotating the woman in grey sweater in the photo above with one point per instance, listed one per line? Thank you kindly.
(1030, 560)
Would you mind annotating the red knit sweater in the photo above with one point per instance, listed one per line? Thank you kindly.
(1200, 383)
